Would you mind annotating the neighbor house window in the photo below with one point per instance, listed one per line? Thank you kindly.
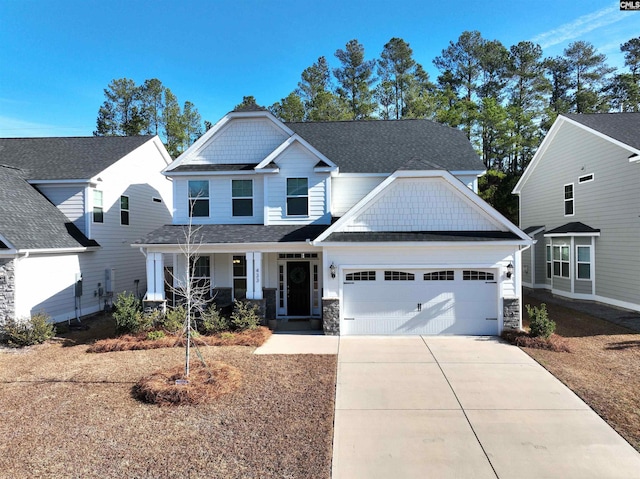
(124, 210)
(240, 277)
(242, 197)
(568, 200)
(585, 178)
(583, 262)
(297, 197)
(198, 198)
(561, 261)
(98, 214)
(549, 262)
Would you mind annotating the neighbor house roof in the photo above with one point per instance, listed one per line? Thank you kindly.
(66, 158)
(574, 227)
(29, 221)
(383, 146)
(624, 127)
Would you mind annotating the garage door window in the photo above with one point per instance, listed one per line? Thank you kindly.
(470, 275)
(439, 276)
(398, 276)
(362, 276)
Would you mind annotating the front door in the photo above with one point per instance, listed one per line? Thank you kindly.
(298, 288)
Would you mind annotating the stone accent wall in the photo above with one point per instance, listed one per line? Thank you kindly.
(331, 316)
(270, 298)
(222, 297)
(7, 290)
(511, 311)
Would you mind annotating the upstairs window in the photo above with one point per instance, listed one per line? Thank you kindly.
(568, 200)
(198, 198)
(297, 197)
(561, 261)
(124, 210)
(242, 197)
(98, 214)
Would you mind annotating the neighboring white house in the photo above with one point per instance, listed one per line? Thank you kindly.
(69, 210)
(580, 200)
(374, 226)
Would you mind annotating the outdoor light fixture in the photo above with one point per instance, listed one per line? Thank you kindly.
(332, 268)
(509, 270)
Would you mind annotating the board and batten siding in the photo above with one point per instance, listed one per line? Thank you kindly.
(610, 203)
(297, 162)
(241, 141)
(70, 200)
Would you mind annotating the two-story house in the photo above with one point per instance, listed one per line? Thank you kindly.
(580, 201)
(373, 226)
(69, 210)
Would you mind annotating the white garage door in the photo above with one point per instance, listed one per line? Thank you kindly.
(420, 301)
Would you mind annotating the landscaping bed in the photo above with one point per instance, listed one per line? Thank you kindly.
(603, 367)
(66, 413)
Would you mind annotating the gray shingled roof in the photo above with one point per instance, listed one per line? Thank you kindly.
(375, 236)
(224, 234)
(29, 221)
(383, 146)
(574, 227)
(531, 229)
(66, 158)
(624, 127)
(216, 167)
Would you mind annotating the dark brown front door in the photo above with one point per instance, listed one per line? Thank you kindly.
(298, 285)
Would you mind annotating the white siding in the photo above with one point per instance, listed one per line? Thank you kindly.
(426, 204)
(69, 200)
(346, 191)
(242, 141)
(297, 162)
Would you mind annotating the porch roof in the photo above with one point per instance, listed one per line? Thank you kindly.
(575, 228)
(228, 234)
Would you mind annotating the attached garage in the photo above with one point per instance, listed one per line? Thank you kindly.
(420, 301)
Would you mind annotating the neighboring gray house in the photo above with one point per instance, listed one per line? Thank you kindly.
(580, 199)
(69, 208)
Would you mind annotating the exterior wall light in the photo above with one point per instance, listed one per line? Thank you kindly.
(509, 270)
(332, 268)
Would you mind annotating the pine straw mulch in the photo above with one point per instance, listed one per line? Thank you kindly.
(552, 343)
(603, 367)
(251, 337)
(65, 413)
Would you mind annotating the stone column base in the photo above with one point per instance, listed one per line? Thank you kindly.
(331, 316)
(511, 314)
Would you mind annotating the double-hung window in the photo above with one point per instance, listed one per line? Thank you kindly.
(198, 198)
(561, 261)
(124, 210)
(583, 262)
(549, 262)
(240, 277)
(201, 272)
(242, 197)
(568, 200)
(98, 213)
(297, 197)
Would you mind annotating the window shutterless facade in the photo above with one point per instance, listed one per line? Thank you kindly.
(124, 210)
(561, 266)
(240, 277)
(200, 269)
(242, 197)
(98, 214)
(198, 198)
(583, 262)
(297, 197)
(549, 261)
(568, 200)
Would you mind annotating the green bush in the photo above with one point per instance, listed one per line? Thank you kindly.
(539, 322)
(128, 314)
(27, 332)
(214, 322)
(173, 321)
(154, 335)
(227, 336)
(244, 316)
(151, 320)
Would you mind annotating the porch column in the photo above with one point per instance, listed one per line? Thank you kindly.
(254, 275)
(155, 277)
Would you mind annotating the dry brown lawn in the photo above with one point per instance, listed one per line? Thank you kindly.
(67, 413)
(603, 367)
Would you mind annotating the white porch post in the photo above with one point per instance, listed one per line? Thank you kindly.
(254, 274)
(249, 263)
(155, 277)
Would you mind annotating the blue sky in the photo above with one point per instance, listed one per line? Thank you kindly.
(57, 56)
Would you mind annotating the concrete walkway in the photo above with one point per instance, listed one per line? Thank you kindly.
(461, 407)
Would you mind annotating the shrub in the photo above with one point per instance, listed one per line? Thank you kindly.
(128, 316)
(27, 332)
(227, 336)
(214, 322)
(539, 322)
(155, 335)
(151, 320)
(244, 316)
(173, 321)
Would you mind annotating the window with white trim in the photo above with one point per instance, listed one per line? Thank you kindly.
(549, 261)
(585, 178)
(200, 270)
(198, 198)
(398, 276)
(240, 277)
(98, 212)
(361, 276)
(297, 197)
(242, 197)
(439, 276)
(561, 266)
(568, 200)
(124, 210)
(471, 275)
(583, 262)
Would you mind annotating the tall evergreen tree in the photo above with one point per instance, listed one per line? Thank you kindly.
(121, 114)
(588, 72)
(396, 69)
(152, 100)
(289, 108)
(355, 77)
(314, 88)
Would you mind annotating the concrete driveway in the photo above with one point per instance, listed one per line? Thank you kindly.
(462, 407)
